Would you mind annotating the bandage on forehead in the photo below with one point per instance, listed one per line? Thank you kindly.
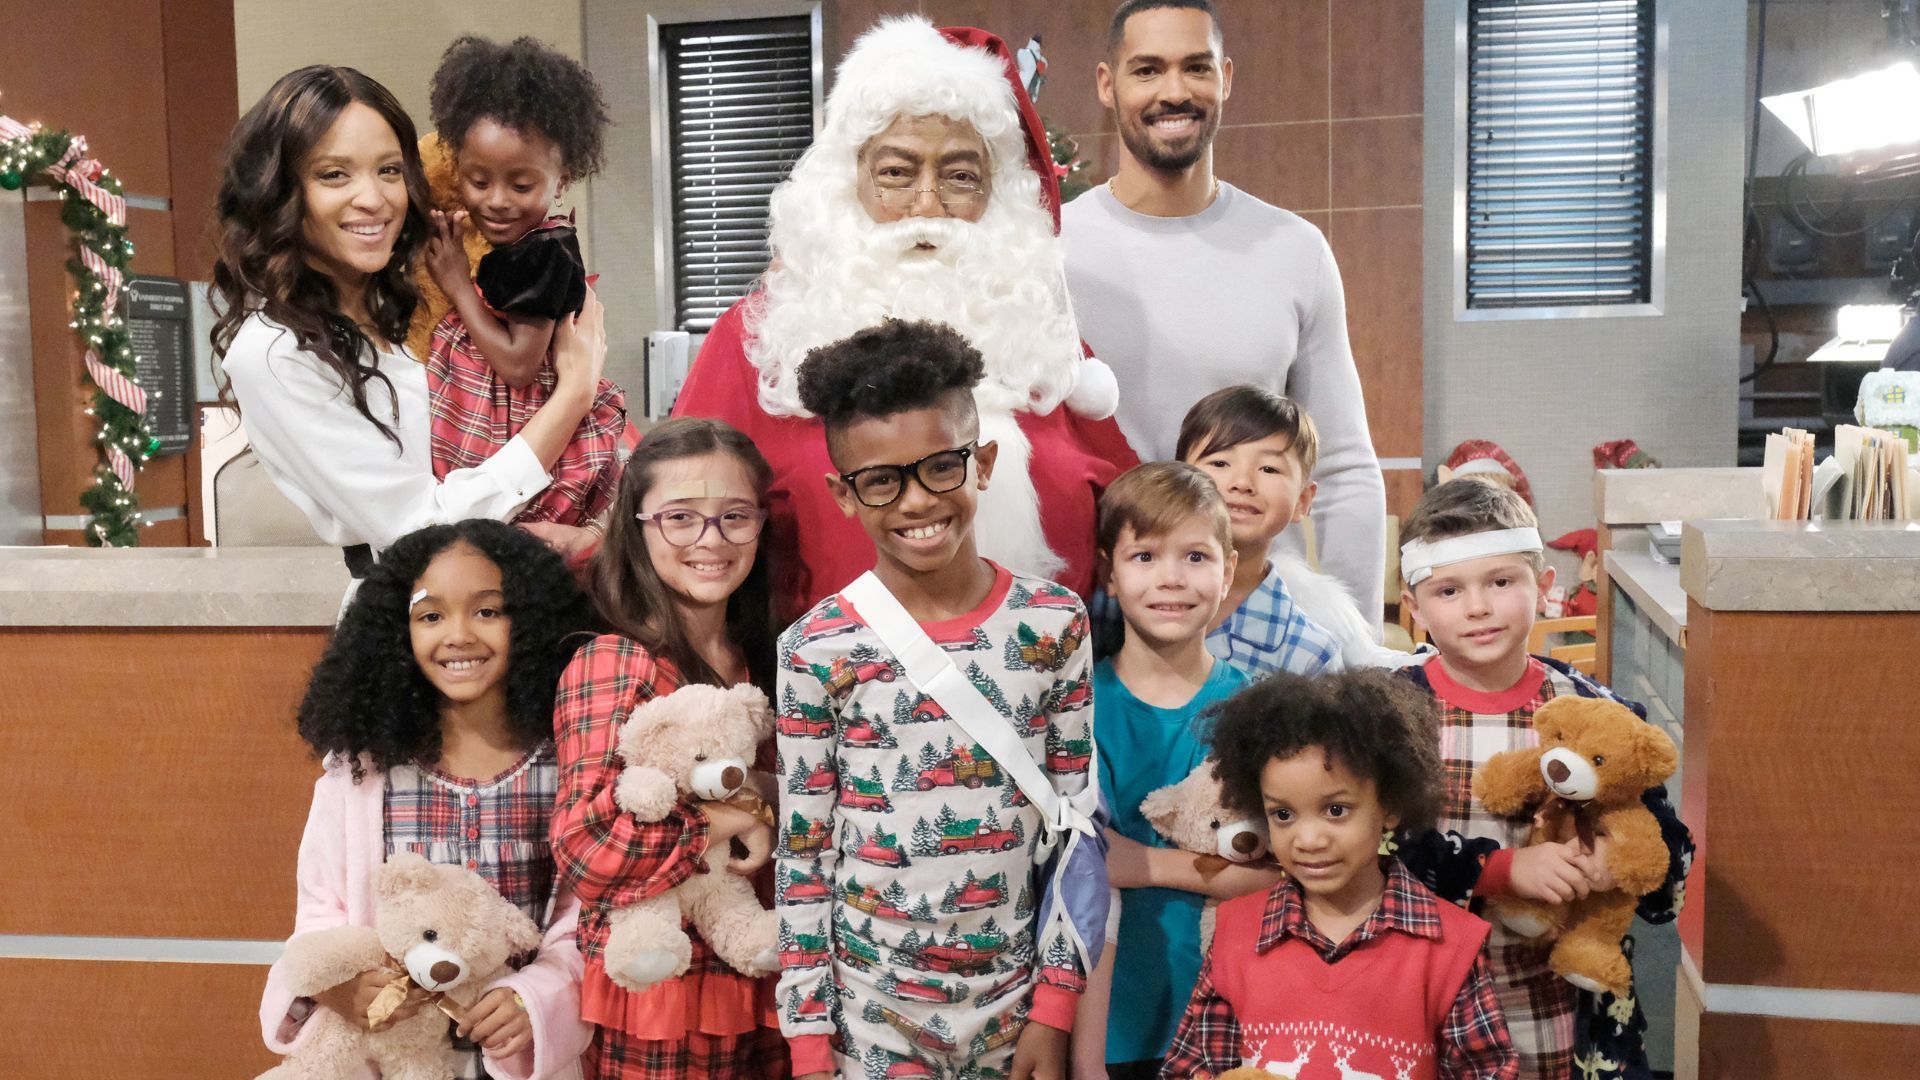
(696, 489)
(1419, 558)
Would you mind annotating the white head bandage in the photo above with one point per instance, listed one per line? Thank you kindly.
(416, 598)
(1419, 558)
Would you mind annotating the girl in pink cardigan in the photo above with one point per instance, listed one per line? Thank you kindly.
(433, 710)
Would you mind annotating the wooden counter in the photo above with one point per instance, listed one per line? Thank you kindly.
(154, 800)
(1799, 738)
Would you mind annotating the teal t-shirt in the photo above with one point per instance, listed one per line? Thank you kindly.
(1157, 961)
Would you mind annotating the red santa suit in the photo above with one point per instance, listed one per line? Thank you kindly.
(1073, 449)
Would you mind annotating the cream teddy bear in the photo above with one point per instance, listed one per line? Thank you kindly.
(696, 743)
(452, 934)
(1192, 815)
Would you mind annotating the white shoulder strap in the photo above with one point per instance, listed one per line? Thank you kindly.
(933, 672)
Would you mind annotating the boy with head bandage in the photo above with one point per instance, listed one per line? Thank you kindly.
(1475, 580)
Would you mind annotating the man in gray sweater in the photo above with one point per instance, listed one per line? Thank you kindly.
(1185, 285)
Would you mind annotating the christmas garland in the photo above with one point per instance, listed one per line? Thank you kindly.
(95, 213)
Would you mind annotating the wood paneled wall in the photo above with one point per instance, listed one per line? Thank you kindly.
(1325, 120)
(150, 83)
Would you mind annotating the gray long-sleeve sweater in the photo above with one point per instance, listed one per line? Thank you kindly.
(1241, 292)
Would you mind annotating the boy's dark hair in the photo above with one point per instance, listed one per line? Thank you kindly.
(1466, 506)
(1117, 28)
(888, 369)
(1154, 498)
(368, 696)
(1377, 726)
(1227, 418)
(527, 86)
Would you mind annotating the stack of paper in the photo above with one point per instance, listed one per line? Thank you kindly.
(1787, 475)
(1871, 476)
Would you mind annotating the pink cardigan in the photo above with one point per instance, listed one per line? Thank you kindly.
(340, 851)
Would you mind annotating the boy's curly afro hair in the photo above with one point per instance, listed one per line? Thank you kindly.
(526, 86)
(888, 369)
(369, 702)
(1377, 726)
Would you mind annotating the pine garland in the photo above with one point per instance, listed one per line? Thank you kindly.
(93, 208)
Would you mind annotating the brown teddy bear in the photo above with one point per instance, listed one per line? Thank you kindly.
(447, 929)
(693, 744)
(1584, 780)
(1193, 816)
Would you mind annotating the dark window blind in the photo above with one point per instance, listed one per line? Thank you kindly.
(1559, 153)
(740, 111)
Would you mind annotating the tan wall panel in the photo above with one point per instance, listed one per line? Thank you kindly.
(168, 787)
(95, 1020)
(201, 108)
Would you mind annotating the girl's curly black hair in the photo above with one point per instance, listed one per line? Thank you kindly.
(1378, 726)
(369, 702)
(260, 259)
(526, 86)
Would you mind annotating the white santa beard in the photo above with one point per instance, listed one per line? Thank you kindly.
(999, 282)
(1007, 526)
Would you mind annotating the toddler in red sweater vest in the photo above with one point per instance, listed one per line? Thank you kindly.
(1350, 968)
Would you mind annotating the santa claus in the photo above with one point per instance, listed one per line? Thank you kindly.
(930, 193)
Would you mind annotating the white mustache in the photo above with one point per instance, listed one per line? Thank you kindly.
(945, 235)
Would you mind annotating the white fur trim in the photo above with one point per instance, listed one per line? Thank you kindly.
(1007, 524)
(903, 66)
(1327, 601)
(1096, 394)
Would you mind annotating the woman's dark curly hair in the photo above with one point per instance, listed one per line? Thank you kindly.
(888, 369)
(369, 702)
(526, 86)
(261, 263)
(1376, 725)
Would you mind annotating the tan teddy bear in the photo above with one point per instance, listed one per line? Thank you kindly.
(693, 744)
(446, 928)
(1192, 815)
(1584, 780)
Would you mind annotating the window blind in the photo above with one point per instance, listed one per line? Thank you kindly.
(1559, 184)
(739, 113)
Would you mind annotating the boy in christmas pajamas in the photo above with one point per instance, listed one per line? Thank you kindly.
(907, 880)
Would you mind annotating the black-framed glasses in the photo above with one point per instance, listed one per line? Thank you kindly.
(684, 528)
(881, 485)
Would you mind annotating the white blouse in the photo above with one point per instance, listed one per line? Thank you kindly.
(353, 483)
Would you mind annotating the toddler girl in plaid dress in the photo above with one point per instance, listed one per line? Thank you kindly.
(432, 709)
(681, 586)
(521, 123)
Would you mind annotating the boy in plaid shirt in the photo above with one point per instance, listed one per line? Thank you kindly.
(1475, 579)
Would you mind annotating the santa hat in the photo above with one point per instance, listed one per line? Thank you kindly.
(1622, 454)
(1485, 457)
(1582, 542)
(903, 66)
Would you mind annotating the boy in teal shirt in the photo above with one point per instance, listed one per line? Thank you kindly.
(1166, 539)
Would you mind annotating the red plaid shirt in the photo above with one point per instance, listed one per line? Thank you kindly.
(1473, 1039)
(601, 852)
(475, 413)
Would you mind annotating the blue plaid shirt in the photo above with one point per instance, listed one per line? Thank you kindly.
(1267, 633)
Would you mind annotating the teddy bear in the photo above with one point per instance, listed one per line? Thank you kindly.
(1584, 780)
(446, 929)
(693, 744)
(1192, 816)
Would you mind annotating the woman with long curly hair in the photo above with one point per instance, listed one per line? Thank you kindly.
(681, 589)
(322, 210)
(432, 713)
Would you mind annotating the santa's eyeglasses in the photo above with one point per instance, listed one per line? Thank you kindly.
(881, 485)
(894, 187)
